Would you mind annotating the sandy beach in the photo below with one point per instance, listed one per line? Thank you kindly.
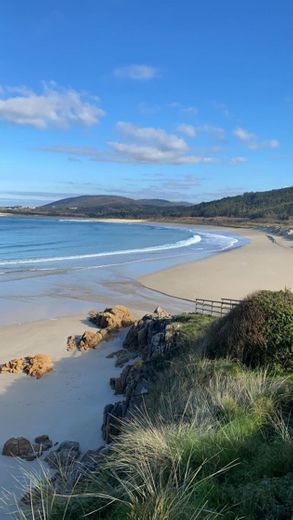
(66, 404)
(265, 263)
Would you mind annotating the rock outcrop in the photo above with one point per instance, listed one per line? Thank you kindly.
(153, 334)
(35, 366)
(112, 318)
(66, 453)
(107, 321)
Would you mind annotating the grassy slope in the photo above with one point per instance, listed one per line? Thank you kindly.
(213, 442)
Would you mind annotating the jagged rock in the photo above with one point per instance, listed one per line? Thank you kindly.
(38, 365)
(14, 366)
(72, 343)
(35, 366)
(112, 420)
(43, 442)
(122, 356)
(112, 318)
(91, 339)
(118, 384)
(66, 453)
(19, 447)
(147, 336)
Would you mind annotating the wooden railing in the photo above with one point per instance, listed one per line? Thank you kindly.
(214, 307)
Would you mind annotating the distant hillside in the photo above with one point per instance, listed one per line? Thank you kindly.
(274, 204)
(114, 206)
(270, 205)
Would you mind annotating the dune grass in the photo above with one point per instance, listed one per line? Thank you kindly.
(214, 440)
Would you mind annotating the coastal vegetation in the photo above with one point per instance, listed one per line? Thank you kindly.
(266, 206)
(213, 438)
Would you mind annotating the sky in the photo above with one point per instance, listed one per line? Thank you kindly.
(182, 100)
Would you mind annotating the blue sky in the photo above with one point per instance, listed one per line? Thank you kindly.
(185, 100)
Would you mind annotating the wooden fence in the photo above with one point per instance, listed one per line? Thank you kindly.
(214, 307)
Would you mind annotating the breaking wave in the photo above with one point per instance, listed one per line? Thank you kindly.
(176, 245)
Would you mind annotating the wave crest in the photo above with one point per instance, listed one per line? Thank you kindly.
(177, 245)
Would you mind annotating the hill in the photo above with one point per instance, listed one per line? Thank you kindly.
(113, 206)
(264, 206)
(277, 204)
(267, 205)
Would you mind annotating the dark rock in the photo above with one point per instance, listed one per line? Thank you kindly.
(122, 356)
(19, 447)
(43, 442)
(66, 453)
(112, 420)
(147, 336)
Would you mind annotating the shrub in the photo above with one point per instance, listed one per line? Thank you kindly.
(257, 332)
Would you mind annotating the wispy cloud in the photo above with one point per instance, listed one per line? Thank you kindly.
(145, 145)
(192, 110)
(53, 106)
(136, 72)
(252, 141)
(186, 129)
(234, 161)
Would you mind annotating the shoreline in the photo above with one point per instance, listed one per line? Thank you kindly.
(263, 263)
(79, 384)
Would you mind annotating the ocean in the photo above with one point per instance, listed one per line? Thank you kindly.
(58, 266)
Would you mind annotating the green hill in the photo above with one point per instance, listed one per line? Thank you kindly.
(271, 205)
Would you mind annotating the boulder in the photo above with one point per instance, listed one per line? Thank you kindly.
(112, 318)
(43, 442)
(14, 366)
(91, 339)
(38, 365)
(35, 366)
(72, 342)
(19, 447)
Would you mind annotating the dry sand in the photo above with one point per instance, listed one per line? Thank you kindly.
(66, 404)
(265, 263)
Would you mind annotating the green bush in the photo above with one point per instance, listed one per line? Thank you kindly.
(257, 332)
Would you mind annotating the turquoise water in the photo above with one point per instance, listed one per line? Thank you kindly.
(51, 266)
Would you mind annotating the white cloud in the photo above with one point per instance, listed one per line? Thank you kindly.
(134, 153)
(188, 130)
(157, 136)
(54, 106)
(136, 72)
(252, 141)
(237, 160)
(130, 153)
(145, 145)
